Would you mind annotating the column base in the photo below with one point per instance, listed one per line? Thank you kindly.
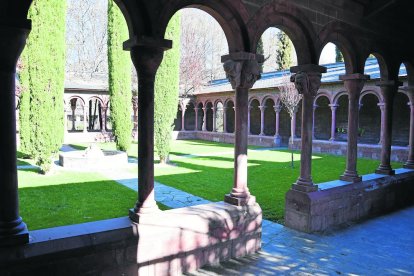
(12, 234)
(351, 178)
(332, 139)
(239, 201)
(305, 188)
(385, 171)
(141, 215)
(409, 165)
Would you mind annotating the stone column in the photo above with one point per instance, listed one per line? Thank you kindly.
(224, 120)
(248, 119)
(183, 110)
(382, 108)
(313, 120)
(277, 108)
(104, 117)
(409, 164)
(333, 121)
(146, 54)
(73, 107)
(353, 84)
(262, 110)
(388, 91)
(12, 228)
(135, 110)
(204, 127)
(293, 125)
(196, 118)
(307, 80)
(242, 69)
(85, 116)
(214, 119)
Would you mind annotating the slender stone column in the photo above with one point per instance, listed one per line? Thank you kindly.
(105, 118)
(204, 127)
(146, 54)
(12, 228)
(333, 121)
(196, 118)
(224, 120)
(313, 120)
(248, 120)
(214, 119)
(353, 84)
(388, 91)
(73, 107)
(262, 110)
(183, 110)
(85, 116)
(307, 80)
(277, 108)
(242, 70)
(382, 108)
(410, 161)
(293, 126)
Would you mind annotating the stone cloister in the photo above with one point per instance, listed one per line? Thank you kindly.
(150, 241)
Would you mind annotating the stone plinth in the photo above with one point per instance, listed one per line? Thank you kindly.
(338, 203)
(100, 160)
(167, 243)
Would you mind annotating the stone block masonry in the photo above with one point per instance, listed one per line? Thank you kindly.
(338, 203)
(166, 243)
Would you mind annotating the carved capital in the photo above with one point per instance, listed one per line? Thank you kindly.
(242, 74)
(307, 83)
(277, 108)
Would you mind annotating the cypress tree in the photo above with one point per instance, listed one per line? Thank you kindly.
(338, 55)
(119, 71)
(42, 80)
(284, 51)
(166, 91)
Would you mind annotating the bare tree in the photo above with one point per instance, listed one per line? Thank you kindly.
(290, 99)
(86, 38)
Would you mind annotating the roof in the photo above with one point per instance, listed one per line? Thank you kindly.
(274, 79)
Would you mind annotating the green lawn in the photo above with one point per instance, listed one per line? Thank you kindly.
(64, 198)
(211, 175)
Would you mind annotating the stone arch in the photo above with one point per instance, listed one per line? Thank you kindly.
(254, 116)
(219, 116)
(189, 116)
(410, 72)
(401, 120)
(268, 97)
(323, 93)
(75, 115)
(95, 116)
(230, 116)
(200, 116)
(369, 131)
(371, 91)
(269, 116)
(229, 17)
(289, 19)
(338, 34)
(337, 96)
(209, 116)
(322, 117)
(177, 121)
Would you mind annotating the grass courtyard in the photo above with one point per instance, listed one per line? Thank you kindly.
(200, 168)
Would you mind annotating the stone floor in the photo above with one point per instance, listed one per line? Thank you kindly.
(380, 246)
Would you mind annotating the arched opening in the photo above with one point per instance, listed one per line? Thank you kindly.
(189, 117)
(209, 116)
(369, 131)
(76, 115)
(401, 120)
(200, 116)
(254, 117)
(95, 115)
(278, 50)
(323, 119)
(284, 126)
(178, 119)
(219, 120)
(269, 118)
(331, 54)
(230, 114)
(341, 131)
(298, 124)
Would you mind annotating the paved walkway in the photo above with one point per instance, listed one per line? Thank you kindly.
(381, 246)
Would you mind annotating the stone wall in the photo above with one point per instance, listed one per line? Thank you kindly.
(338, 203)
(166, 243)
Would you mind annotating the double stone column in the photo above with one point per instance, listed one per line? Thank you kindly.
(146, 54)
(242, 69)
(307, 79)
(12, 228)
(410, 161)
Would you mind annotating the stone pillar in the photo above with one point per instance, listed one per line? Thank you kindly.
(73, 107)
(262, 110)
(293, 126)
(388, 91)
(277, 108)
(105, 117)
(409, 164)
(85, 116)
(196, 118)
(204, 127)
(224, 120)
(248, 120)
(353, 84)
(242, 69)
(382, 108)
(146, 54)
(313, 120)
(214, 119)
(307, 80)
(12, 228)
(333, 121)
(183, 110)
